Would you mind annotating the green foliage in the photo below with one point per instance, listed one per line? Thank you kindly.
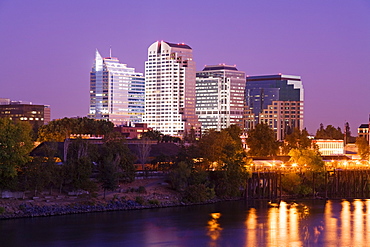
(15, 146)
(141, 190)
(213, 147)
(302, 184)
(297, 140)
(117, 152)
(41, 172)
(78, 174)
(222, 152)
(188, 153)
(229, 183)
(296, 184)
(198, 193)
(290, 183)
(140, 200)
(79, 165)
(59, 130)
(153, 135)
(330, 132)
(234, 132)
(115, 163)
(307, 158)
(108, 176)
(261, 141)
(2, 210)
(154, 202)
(179, 176)
(363, 148)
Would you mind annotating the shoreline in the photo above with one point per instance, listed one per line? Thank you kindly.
(28, 210)
(140, 194)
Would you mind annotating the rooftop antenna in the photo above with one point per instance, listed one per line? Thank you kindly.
(110, 51)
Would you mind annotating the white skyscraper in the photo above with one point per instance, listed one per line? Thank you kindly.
(117, 92)
(170, 89)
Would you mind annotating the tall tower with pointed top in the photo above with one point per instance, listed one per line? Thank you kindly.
(170, 89)
(117, 92)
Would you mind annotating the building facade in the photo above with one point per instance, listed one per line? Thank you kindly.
(170, 89)
(330, 147)
(133, 132)
(117, 92)
(276, 100)
(36, 115)
(363, 131)
(220, 96)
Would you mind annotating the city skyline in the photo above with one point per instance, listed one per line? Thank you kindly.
(48, 48)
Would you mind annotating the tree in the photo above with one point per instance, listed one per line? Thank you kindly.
(153, 135)
(235, 131)
(232, 180)
(297, 140)
(224, 154)
(116, 152)
(59, 130)
(211, 147)
(330, 132)
(108, 169)
(40, 172)
(180, 175)
(15, 146)
(261, 141)
(79, 165)
(143, 149)
(363, 148)
(347, 133)
(307, 158)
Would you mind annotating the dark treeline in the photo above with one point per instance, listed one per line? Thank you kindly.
(216, 166)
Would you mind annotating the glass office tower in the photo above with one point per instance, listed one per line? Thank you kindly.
(220, 96)
(117, 92)
(276, 100)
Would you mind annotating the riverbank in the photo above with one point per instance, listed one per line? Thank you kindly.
(141, 194)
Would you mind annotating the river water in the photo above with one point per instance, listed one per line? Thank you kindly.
(236, 223)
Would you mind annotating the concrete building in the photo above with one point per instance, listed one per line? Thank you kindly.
(330, 147)
(363, 131)
(276, 100)
(36, 115)
(133, 132)
(220, 96)
(117, 92)
(170, 89)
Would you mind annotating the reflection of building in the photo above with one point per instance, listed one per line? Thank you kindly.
(276, 100)
(170, 89)
(363, 131)
(116, 91)
(36, 115)
(220, 96)
(133, 132)
(330, 147)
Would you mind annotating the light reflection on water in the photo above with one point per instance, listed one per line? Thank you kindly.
(257, 223)
(291, 225)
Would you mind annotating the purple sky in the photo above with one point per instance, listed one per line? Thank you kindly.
(47, 47)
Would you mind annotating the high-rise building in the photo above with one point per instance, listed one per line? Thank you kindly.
(36, 115)
(276, 100)
(170, 89)
(220, 96)
(117, 92)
